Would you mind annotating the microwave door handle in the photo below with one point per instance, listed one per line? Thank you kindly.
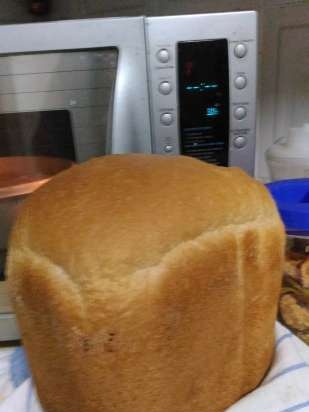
(129, 130)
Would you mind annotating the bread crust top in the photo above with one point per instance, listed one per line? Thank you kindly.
(114, 215)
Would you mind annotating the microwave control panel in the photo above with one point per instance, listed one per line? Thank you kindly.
(202, 82)
(203, 100)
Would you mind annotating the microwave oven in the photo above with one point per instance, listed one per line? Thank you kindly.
(72, 90)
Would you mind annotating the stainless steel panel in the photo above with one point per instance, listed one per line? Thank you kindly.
(244, 157)
(53, 62)
(89, 142)
(68, 80)
(52, 100)
(8, 326)
(88, 116)
(89, 150)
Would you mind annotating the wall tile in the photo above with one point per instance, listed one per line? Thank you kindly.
(68, 9)
(15, 11)
(284, 3)
(101, 8)
(202, 6)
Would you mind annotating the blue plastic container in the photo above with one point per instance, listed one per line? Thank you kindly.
(292, 199)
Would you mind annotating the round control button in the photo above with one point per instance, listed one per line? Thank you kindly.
(166, 118)
(240, 82)
(163, 55)
(240, 112)
(240, 142)
(240, 50)
(168, 148)
(165, 87)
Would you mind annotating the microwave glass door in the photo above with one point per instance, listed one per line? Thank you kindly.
(69, 91)
(56, 104)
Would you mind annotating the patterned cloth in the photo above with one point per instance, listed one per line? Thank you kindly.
(284, 389)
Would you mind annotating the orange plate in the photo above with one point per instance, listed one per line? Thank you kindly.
(21, 175)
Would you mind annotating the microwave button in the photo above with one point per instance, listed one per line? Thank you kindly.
(240, 50)
(163, 55)
(165, 87)
(240, 82)
(240, 112)
(166, 119)
(168, 148)
(240, 142)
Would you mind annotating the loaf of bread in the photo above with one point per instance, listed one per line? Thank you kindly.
(147, 283)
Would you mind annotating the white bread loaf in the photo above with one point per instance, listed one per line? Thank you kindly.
(146, 283)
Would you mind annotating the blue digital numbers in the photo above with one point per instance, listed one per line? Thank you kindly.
(212, 111)
(201, 87)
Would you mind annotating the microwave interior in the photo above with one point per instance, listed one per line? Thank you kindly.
(55, 109)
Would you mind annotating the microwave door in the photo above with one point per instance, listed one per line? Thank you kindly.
(29, 46)
(69, 91)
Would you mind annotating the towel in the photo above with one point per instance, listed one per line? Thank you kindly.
(284, 389)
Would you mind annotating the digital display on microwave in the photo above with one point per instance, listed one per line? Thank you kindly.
(203, 84)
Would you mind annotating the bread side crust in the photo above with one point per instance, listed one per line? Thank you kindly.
(138, 342)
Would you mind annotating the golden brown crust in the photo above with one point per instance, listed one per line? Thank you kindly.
(98, 210)
(147, 283)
